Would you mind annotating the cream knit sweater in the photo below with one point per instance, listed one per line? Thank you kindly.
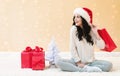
(81, 50)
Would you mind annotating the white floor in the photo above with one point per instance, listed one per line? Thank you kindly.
(10, 65)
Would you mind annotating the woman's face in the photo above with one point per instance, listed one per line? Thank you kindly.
(77, 20)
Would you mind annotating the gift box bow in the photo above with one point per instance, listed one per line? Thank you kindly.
(28, 49)
(38, 49)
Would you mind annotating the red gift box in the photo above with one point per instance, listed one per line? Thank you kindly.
(38, 59)
(109, 43)
(26, 58)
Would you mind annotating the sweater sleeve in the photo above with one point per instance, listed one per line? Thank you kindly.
(73, 47)
(99, 43)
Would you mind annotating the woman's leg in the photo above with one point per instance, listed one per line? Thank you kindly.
(102, 64)
(67, 65)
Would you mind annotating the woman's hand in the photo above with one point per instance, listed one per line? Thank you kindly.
(81, 65)
(94, 30)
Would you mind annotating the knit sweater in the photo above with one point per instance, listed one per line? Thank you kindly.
(82, 50)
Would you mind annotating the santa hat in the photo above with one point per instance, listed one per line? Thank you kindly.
(85, 13)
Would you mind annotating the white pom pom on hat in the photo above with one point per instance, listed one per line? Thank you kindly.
(86, 13)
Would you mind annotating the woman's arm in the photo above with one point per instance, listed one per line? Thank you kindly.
(73, 47)
(97, 39)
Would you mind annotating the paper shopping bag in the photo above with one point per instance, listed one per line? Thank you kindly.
(109, 43)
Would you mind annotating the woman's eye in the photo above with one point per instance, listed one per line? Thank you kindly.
(78, 16)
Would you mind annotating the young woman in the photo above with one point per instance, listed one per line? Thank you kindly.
(83, 37)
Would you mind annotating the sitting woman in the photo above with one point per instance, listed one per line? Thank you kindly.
(83, 37)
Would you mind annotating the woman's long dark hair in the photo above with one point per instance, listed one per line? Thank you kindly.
(84, 31)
